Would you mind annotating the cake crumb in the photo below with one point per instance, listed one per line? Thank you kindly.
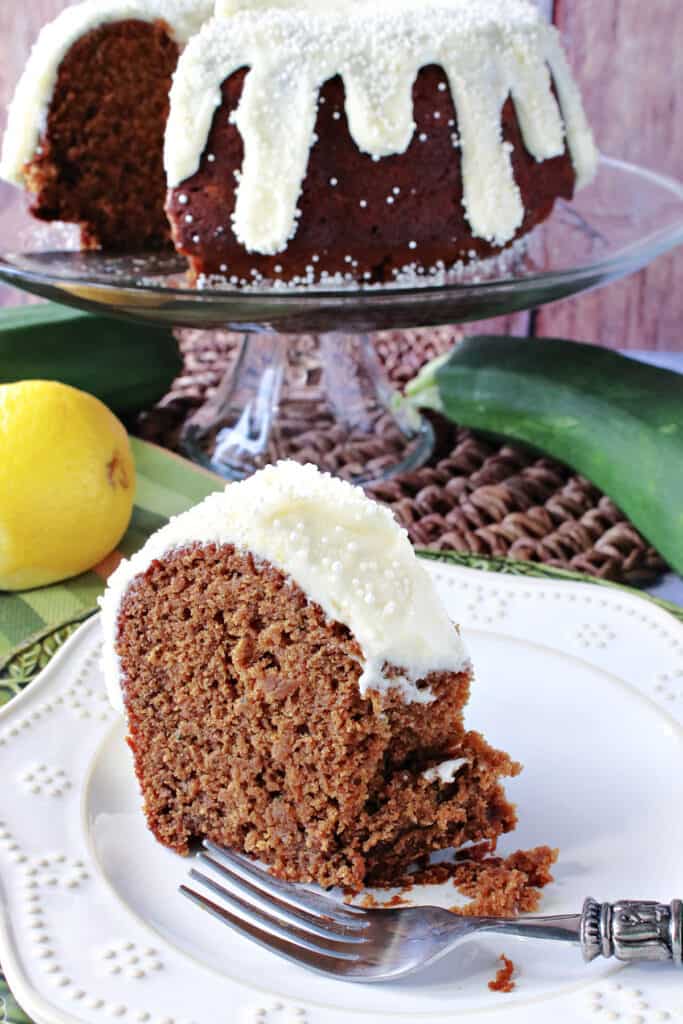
(500, 887)
(370, 902)
(397, 901)
(495, 886)
(503, 980)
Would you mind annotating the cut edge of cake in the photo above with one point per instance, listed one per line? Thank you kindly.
(27, 114)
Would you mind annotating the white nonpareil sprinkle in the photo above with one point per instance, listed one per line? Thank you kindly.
(468, 270)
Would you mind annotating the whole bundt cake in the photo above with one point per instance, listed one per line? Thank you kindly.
(366, 140)
(305, 142)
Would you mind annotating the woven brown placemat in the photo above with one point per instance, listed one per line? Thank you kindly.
(474, 496)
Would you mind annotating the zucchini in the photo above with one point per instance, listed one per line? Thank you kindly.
(127, 366)
(616, 421)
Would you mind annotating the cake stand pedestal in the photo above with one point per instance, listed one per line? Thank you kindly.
(317, 398)
(308, 383)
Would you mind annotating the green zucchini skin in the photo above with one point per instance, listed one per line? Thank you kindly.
(127, 366)
(616, 421)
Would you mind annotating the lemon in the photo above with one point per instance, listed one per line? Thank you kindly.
(67, 482)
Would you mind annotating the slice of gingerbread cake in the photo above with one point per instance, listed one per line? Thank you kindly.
(295, 689)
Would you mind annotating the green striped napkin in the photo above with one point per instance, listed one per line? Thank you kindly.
(10, 1011)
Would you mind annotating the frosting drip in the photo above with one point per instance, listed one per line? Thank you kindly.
(347, 553)
(489, 51)
(27, 116)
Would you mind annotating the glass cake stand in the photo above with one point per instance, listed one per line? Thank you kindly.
(308, 383)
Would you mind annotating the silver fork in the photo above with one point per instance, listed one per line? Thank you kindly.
(353, 944)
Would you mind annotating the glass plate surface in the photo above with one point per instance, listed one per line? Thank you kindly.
(618, 225)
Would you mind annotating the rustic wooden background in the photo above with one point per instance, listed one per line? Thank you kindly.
(629, 59)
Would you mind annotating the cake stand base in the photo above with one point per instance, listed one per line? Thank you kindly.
(314, 398)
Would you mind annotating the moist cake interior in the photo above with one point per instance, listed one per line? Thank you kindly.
(248, 727)
(100, 160)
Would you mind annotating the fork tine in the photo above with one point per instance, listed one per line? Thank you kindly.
(313, 903)
(276, 908)
(247, 920)
(326, 965)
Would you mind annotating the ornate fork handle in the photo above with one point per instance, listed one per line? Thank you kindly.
(630, 930)
(633, 930)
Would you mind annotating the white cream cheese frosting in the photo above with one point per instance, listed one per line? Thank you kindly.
(347, 553)
(489, 49)
(27, 117)
(445, 772)
(226, 8)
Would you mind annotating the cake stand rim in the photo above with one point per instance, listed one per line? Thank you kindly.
(630, 258)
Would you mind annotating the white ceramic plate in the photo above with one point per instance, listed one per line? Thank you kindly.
(584, 685)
